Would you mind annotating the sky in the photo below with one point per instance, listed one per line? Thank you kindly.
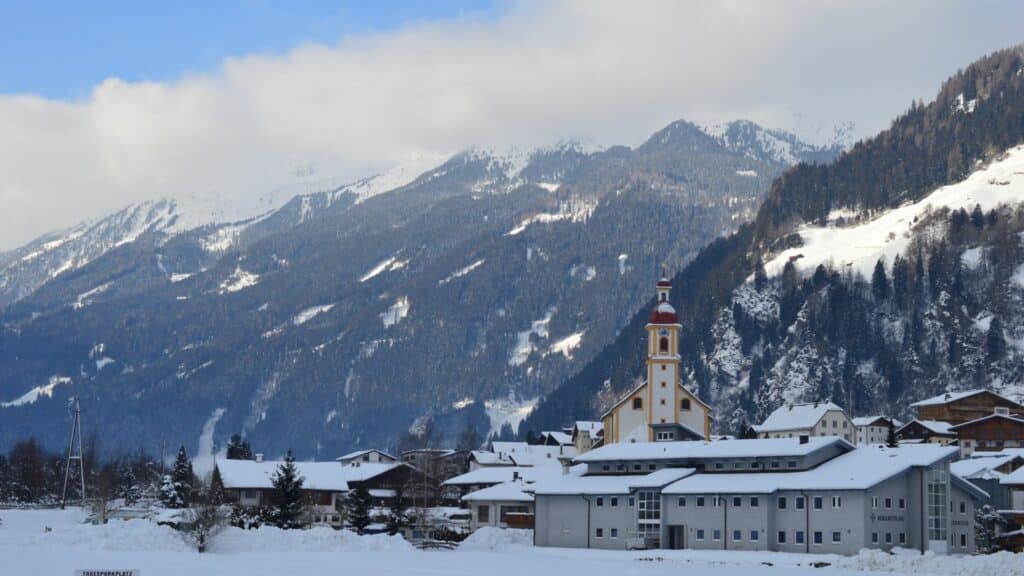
(104, 104)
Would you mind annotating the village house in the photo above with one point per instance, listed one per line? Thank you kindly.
(371, 456)
(874, 429)
(587, 435)
(325, 484)
(990, 433)
(926, 431)
(986, 472)
(660, 408)
(959, 407)
(439, 464)
(812, 419)
(504, 505)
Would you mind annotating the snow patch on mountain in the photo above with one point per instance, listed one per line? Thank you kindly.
(408, 169)
(509, 410)
(461, 272)
(310, 313)
(525, 340)
(859, 247)
(38, 392)
(239, 280)
(396, 312)
(389, 265)
(576, 211)
(566, 346)
(85, 298)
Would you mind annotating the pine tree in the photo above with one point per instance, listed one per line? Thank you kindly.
(238, 449)
(396, 514)
(880, 282)
(760, 276)
(288, 494)
(183, 477)
(170, 497)
(995, 341)
(890, 439)
(359, 509)
(977, 217)
(128, 487)
(216, 493)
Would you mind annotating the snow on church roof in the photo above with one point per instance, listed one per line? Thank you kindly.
(745, 448)
(795, 416)
(858, 469)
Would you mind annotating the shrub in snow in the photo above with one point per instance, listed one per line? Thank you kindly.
(250, 517)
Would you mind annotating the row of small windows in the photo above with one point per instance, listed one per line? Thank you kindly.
(888, 538)
(888, 501)
(684, 404)
(623, 467)
(612, 533)
(775, 464)
(818, 538)
(817, 502)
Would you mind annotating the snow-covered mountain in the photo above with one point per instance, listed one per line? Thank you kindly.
(345, 316)
(755, 141)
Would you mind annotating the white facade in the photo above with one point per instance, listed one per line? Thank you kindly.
(817, 419)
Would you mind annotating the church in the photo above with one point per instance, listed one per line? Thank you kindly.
(660, 408)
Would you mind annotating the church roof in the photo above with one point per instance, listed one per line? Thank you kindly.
(663, 313)
(643, 383)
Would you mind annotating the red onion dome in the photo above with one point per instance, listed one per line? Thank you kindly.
(663, 313)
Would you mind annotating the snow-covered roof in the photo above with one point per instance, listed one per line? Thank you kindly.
(933, 426)
(857, 469)
(861, 421)
(504, 492)
(500, 474)
(744, 448)
(611, 484)
(1013, 419)
(981, 468)
(969, 487)
(327, 476)
(523, 454)
(1016, 478)
(795, 416)
(488, 458)
(949, 397)
(559, 437)
(360, 453)
(589, 426)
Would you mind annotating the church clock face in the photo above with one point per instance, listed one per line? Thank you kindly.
(663, 332)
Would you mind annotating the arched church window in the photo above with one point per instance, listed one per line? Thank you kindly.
(663, 344)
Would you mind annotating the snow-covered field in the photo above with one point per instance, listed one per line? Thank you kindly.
(28, 548)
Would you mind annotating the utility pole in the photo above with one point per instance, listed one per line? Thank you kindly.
(76, 431)
(163, 446)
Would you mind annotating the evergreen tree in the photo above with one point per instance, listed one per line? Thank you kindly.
(760, 276)
(183, 477)
(880, 282)
(396, 514)
(977, 217)
(216, 493)
(169, 496)
(359, 509)
(238, 449)
(890, 438)
(288, 494)
(995, 341)
(128, 487)
(469, 439)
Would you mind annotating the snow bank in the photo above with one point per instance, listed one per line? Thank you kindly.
(910, 561)
(489, 538)
(51, 528)
(321, 539)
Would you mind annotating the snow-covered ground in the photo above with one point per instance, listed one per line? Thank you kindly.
(28, 548)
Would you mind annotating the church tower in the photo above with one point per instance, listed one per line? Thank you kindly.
(663, 363)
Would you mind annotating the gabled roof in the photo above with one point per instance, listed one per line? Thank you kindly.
(501, 474)
(969, 487)
(559, 437)
(875, 421)
(1016, 478)
(326, 476)
(360, 453)
(608, 484)
(745, 448)
(984, 467)
(857, 469)
(488, 458)
(643, 383)
(795, 416)
(1013, 419)
(523, 454)
(950, 397)
(934, 426)
(504, 492)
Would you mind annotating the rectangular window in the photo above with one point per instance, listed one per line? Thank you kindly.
(614, 532)
(483, 513)
(620, 467)
(716, 501)
(754, 535)
(819, 502)
(888, 503)
(963, 507)
(716, 535)
(606, 467)
(599, 533)
(963, 540)
(837, 502)
(615, 501)
(874, 501)
(791, 464)
(682, 501)
(600, 501)
(781, 537)
(737, 535)
(782, 502)
(799, 539)
(737, 501)
(636, 467)
(888, 537)
(700, 501)
(836, 537)
(700, 534)
(903, 537)
(775, 464)
(903, 503)
(631, 501)
(818, 538)
(874, 537)
(719, 465)
(755, 502)
(799, 502)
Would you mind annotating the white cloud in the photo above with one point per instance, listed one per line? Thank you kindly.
(611, 72)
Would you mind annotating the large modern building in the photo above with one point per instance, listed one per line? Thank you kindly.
(660, 408)
(806, 494)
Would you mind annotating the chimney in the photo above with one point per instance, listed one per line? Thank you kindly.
(804, 438)
(259, 456)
